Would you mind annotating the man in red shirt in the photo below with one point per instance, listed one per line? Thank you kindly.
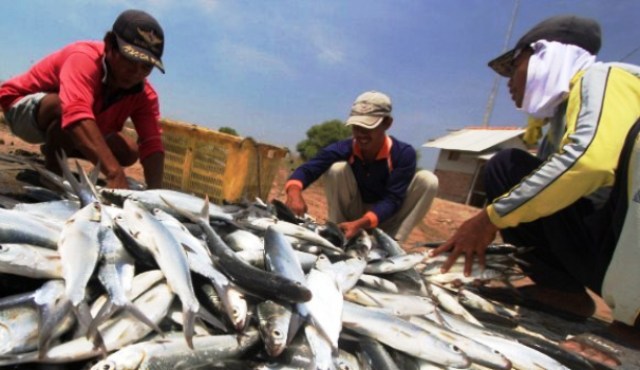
(78, 98)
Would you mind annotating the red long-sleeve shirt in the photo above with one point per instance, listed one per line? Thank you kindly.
(76, 72)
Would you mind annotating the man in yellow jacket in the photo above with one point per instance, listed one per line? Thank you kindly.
(568, 202)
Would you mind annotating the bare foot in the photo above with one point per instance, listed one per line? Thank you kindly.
(590, 353)
(607, 348)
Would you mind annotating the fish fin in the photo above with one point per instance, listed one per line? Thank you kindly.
(61, 157)
(94, 173)
(135, 311)
(47, 322)
(297, 321)
(16, 300)
(188, 323)
(187, 214)
(208, 317)
(86, 182)
(106, 311)
(84, 320)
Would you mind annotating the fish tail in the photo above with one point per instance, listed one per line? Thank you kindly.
(188, 323)
(187, 214)
(83, 314)
(208, 317)
(135, 311)
(48, 321)
(104, 313)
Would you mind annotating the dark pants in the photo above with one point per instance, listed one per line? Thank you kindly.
(572, 247)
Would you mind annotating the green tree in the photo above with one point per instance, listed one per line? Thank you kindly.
(319, 136)
(228, 130)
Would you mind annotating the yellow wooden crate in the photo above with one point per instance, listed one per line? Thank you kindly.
(225, 167)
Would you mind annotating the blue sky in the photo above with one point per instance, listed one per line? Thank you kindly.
(273, 68)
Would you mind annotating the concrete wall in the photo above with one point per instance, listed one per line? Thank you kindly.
(454, 186)
(461, 162)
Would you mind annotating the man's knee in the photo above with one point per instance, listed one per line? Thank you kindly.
(337, 169)
(426, 182)
(123, 148)
(49, 111)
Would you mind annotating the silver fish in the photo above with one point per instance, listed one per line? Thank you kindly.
(30, 261)
(252, 279)
(153, 199)
(477, 351)
(320, 347)
(20, 227)
(242, 240)
(79, 248)
(401, 335)
(399, 304)
(171, 353)
(451, 304)
(200, 261)
(521, 356)
(116, 270)
(347, 272)
(117, 332)
(378, 283)
(287, 228)
(170, 257)
(394, 264)
(477, 275)
(59, 211)
(256, 258)
(21, 316)
(359, 246)
(325, 306)
(273, 322)
(376, 354)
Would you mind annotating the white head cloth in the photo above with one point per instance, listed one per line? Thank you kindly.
(550, 70)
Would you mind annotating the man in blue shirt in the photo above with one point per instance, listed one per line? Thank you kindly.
(370, 179)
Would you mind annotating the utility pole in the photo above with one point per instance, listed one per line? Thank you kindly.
(630, 54)
(496, 81)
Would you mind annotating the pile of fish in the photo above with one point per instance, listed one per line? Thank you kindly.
(161, 279)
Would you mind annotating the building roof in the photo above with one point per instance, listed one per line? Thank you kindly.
(474, 139)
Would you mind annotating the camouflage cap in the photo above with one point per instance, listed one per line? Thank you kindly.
(140, 37)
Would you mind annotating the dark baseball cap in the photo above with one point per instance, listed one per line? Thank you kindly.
(140, 37)
(567, 29)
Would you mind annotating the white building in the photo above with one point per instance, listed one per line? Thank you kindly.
(463, 154)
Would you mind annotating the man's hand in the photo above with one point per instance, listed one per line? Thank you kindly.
(471, 239)
(295, 201)
(117, 181)
(89, 141)
(352, 228)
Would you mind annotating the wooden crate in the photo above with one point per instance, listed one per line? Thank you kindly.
(225, 167)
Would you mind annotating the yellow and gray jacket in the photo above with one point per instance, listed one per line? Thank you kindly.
(581, 148)
(620, 285)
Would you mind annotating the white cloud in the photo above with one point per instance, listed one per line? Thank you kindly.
(208, 6)
(246, 58)
(327, 45)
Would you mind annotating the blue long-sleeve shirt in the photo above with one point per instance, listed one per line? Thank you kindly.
(382, 183)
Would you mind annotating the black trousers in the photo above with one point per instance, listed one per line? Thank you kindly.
(572, 247)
